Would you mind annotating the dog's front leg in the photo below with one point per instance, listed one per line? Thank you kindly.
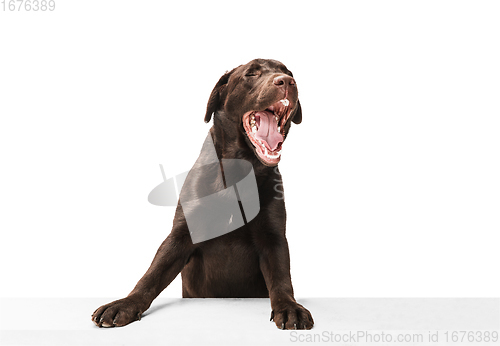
(167, 264)
(275, 266)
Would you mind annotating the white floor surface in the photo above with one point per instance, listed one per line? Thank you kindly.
(65, 321)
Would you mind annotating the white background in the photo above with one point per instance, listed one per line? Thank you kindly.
(391, 180)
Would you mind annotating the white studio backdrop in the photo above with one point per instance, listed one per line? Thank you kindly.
(391, 181)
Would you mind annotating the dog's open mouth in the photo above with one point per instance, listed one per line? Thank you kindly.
(266, 130)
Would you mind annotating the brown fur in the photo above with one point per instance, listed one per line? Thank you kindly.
(252, 261)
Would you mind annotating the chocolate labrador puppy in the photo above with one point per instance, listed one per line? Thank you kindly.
(253, 107)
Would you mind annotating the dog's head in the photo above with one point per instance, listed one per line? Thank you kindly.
(260, 100)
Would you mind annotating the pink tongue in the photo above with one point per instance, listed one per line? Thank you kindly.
(268, 130)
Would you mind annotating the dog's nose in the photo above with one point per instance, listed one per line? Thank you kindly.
(284, 81)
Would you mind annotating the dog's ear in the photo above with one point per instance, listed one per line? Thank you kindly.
(215, 96)
(297, 117)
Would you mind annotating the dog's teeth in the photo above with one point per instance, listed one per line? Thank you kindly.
(285, 102)
(267, 154)
(272, 155)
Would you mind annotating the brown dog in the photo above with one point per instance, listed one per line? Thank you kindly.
(253, 107)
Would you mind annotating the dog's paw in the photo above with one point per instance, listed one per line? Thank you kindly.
(117, 314)
(292, 316)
